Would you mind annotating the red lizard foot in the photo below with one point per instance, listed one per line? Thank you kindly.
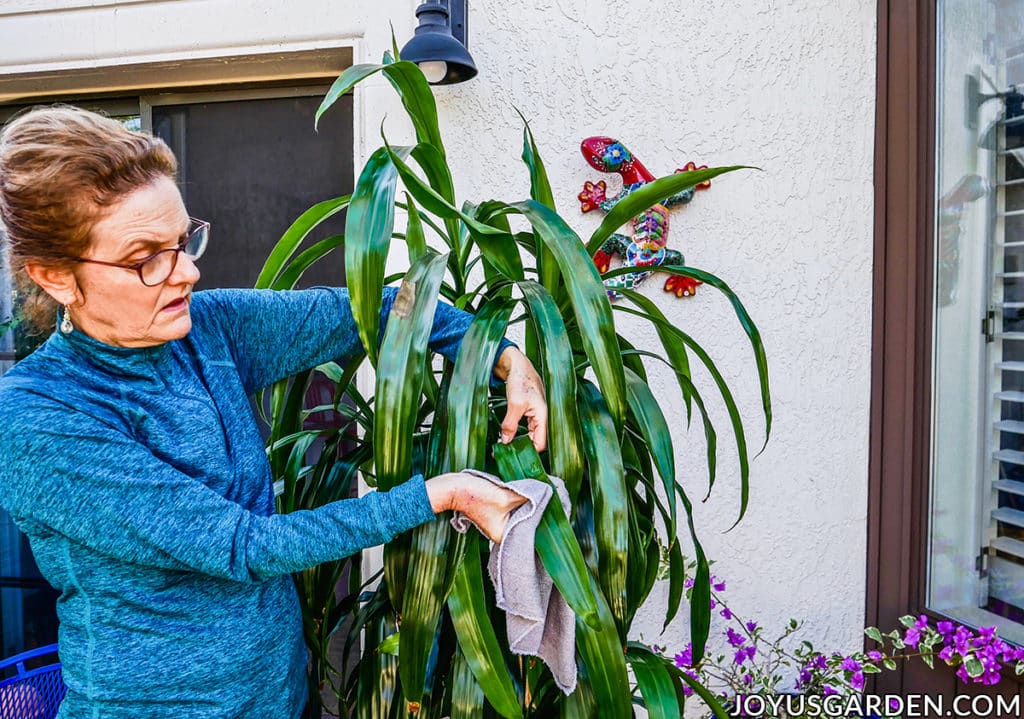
(690, 167)
(602, 260)
(682, 286)
(593, 195)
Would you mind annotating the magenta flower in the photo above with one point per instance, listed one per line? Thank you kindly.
(850, 665)
(735, 638)
(857, 681)
(946, 628)
(748, 679)
(912, 637)
(685, 658)
(875, 656)
(688, 584)
(751, 626)
(921, 623)
(739, 657)
(719, 586)
(827, 690)
(726, 612)
(946, 654)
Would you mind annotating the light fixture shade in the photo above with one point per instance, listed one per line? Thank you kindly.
(433, 42)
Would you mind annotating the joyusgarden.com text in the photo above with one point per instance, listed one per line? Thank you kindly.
(889, 705)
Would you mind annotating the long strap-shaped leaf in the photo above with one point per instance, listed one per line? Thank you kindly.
(596, 637)
(611, 510)
(293, 237)
(498, 246)
(408, 80)
(651, 421)
(560, 380)
(589, 302)
(476, 635)
(467, 696)
(467, 396)
(368, 227)
(746, 322)
(556, 544)
(655, 682)
(399, 385)
(540, 190)
(651, 194)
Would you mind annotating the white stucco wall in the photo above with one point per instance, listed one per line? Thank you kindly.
(786, 86)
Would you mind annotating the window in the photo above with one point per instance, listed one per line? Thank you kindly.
(975, 562)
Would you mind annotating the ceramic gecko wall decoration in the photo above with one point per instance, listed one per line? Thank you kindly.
(647, 247)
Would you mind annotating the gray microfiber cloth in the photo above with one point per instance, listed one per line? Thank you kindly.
(539, 621)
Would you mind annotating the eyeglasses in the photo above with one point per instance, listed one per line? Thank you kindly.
(159, 266)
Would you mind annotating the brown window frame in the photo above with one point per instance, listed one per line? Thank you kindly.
(902, 300)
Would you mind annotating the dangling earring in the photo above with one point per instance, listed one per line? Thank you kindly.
(65, 325)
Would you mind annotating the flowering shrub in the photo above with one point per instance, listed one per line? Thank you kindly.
(754, 663)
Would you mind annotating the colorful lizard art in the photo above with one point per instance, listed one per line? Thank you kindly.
(646, 248)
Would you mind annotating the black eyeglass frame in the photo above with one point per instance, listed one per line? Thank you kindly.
(203, 226)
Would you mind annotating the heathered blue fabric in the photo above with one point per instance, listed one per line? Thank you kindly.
(141, 480)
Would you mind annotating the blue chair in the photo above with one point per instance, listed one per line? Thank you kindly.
(31, 693)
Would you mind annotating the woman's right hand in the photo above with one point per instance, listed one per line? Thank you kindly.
(487, 504)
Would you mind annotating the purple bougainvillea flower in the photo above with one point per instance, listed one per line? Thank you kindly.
(735, 638)
(819, 662)
(713, 605)
(921, 623)
(751, 626)
(894, 704)
(946, 628)
(850, 665)
(748, 679)
(804, 678)
(685, 658)
(912, 637)
(719, 586)
(946, 654)
(964, 676)
(726, 612)
(739, 657)
(962, 640)
(857, 681)
(688, 584)
(827, 690)
(875, 656)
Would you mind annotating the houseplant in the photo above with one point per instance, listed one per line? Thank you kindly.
(431, 640)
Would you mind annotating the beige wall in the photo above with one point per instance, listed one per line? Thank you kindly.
(786, 86)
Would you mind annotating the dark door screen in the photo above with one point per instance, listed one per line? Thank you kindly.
(250, 168)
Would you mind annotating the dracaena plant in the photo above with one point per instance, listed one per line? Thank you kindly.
(423, 635)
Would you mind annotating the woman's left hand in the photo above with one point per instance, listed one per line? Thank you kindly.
(525, 393)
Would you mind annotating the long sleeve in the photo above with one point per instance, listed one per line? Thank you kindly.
(274, 334)
(105, 491)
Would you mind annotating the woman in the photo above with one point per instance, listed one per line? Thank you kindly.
(129, 453)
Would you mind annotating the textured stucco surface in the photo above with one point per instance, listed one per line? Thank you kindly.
(786, 86)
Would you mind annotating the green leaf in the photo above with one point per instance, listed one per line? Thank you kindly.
(415, 238)
(974, 667)
(540, 190)
(412, 87)
(655, 682)
(611, 511)
(368, 227)
(651, 194)
(749, 328)
(873, 633)
(929, 660)
(284, 249)
(700, 690)
(560, 383)
(467, 696)
(390, 645)
(908, 621)
(467, 397)
(644, 406)
(477, 639)
(399, 371)
(651, 313)
(589, 300)
(889, 664)
(556, 544)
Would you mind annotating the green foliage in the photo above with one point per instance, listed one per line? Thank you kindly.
(426, 638)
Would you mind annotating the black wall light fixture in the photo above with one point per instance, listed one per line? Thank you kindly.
(439, 44)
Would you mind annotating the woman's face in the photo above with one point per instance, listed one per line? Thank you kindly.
(113, 305)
